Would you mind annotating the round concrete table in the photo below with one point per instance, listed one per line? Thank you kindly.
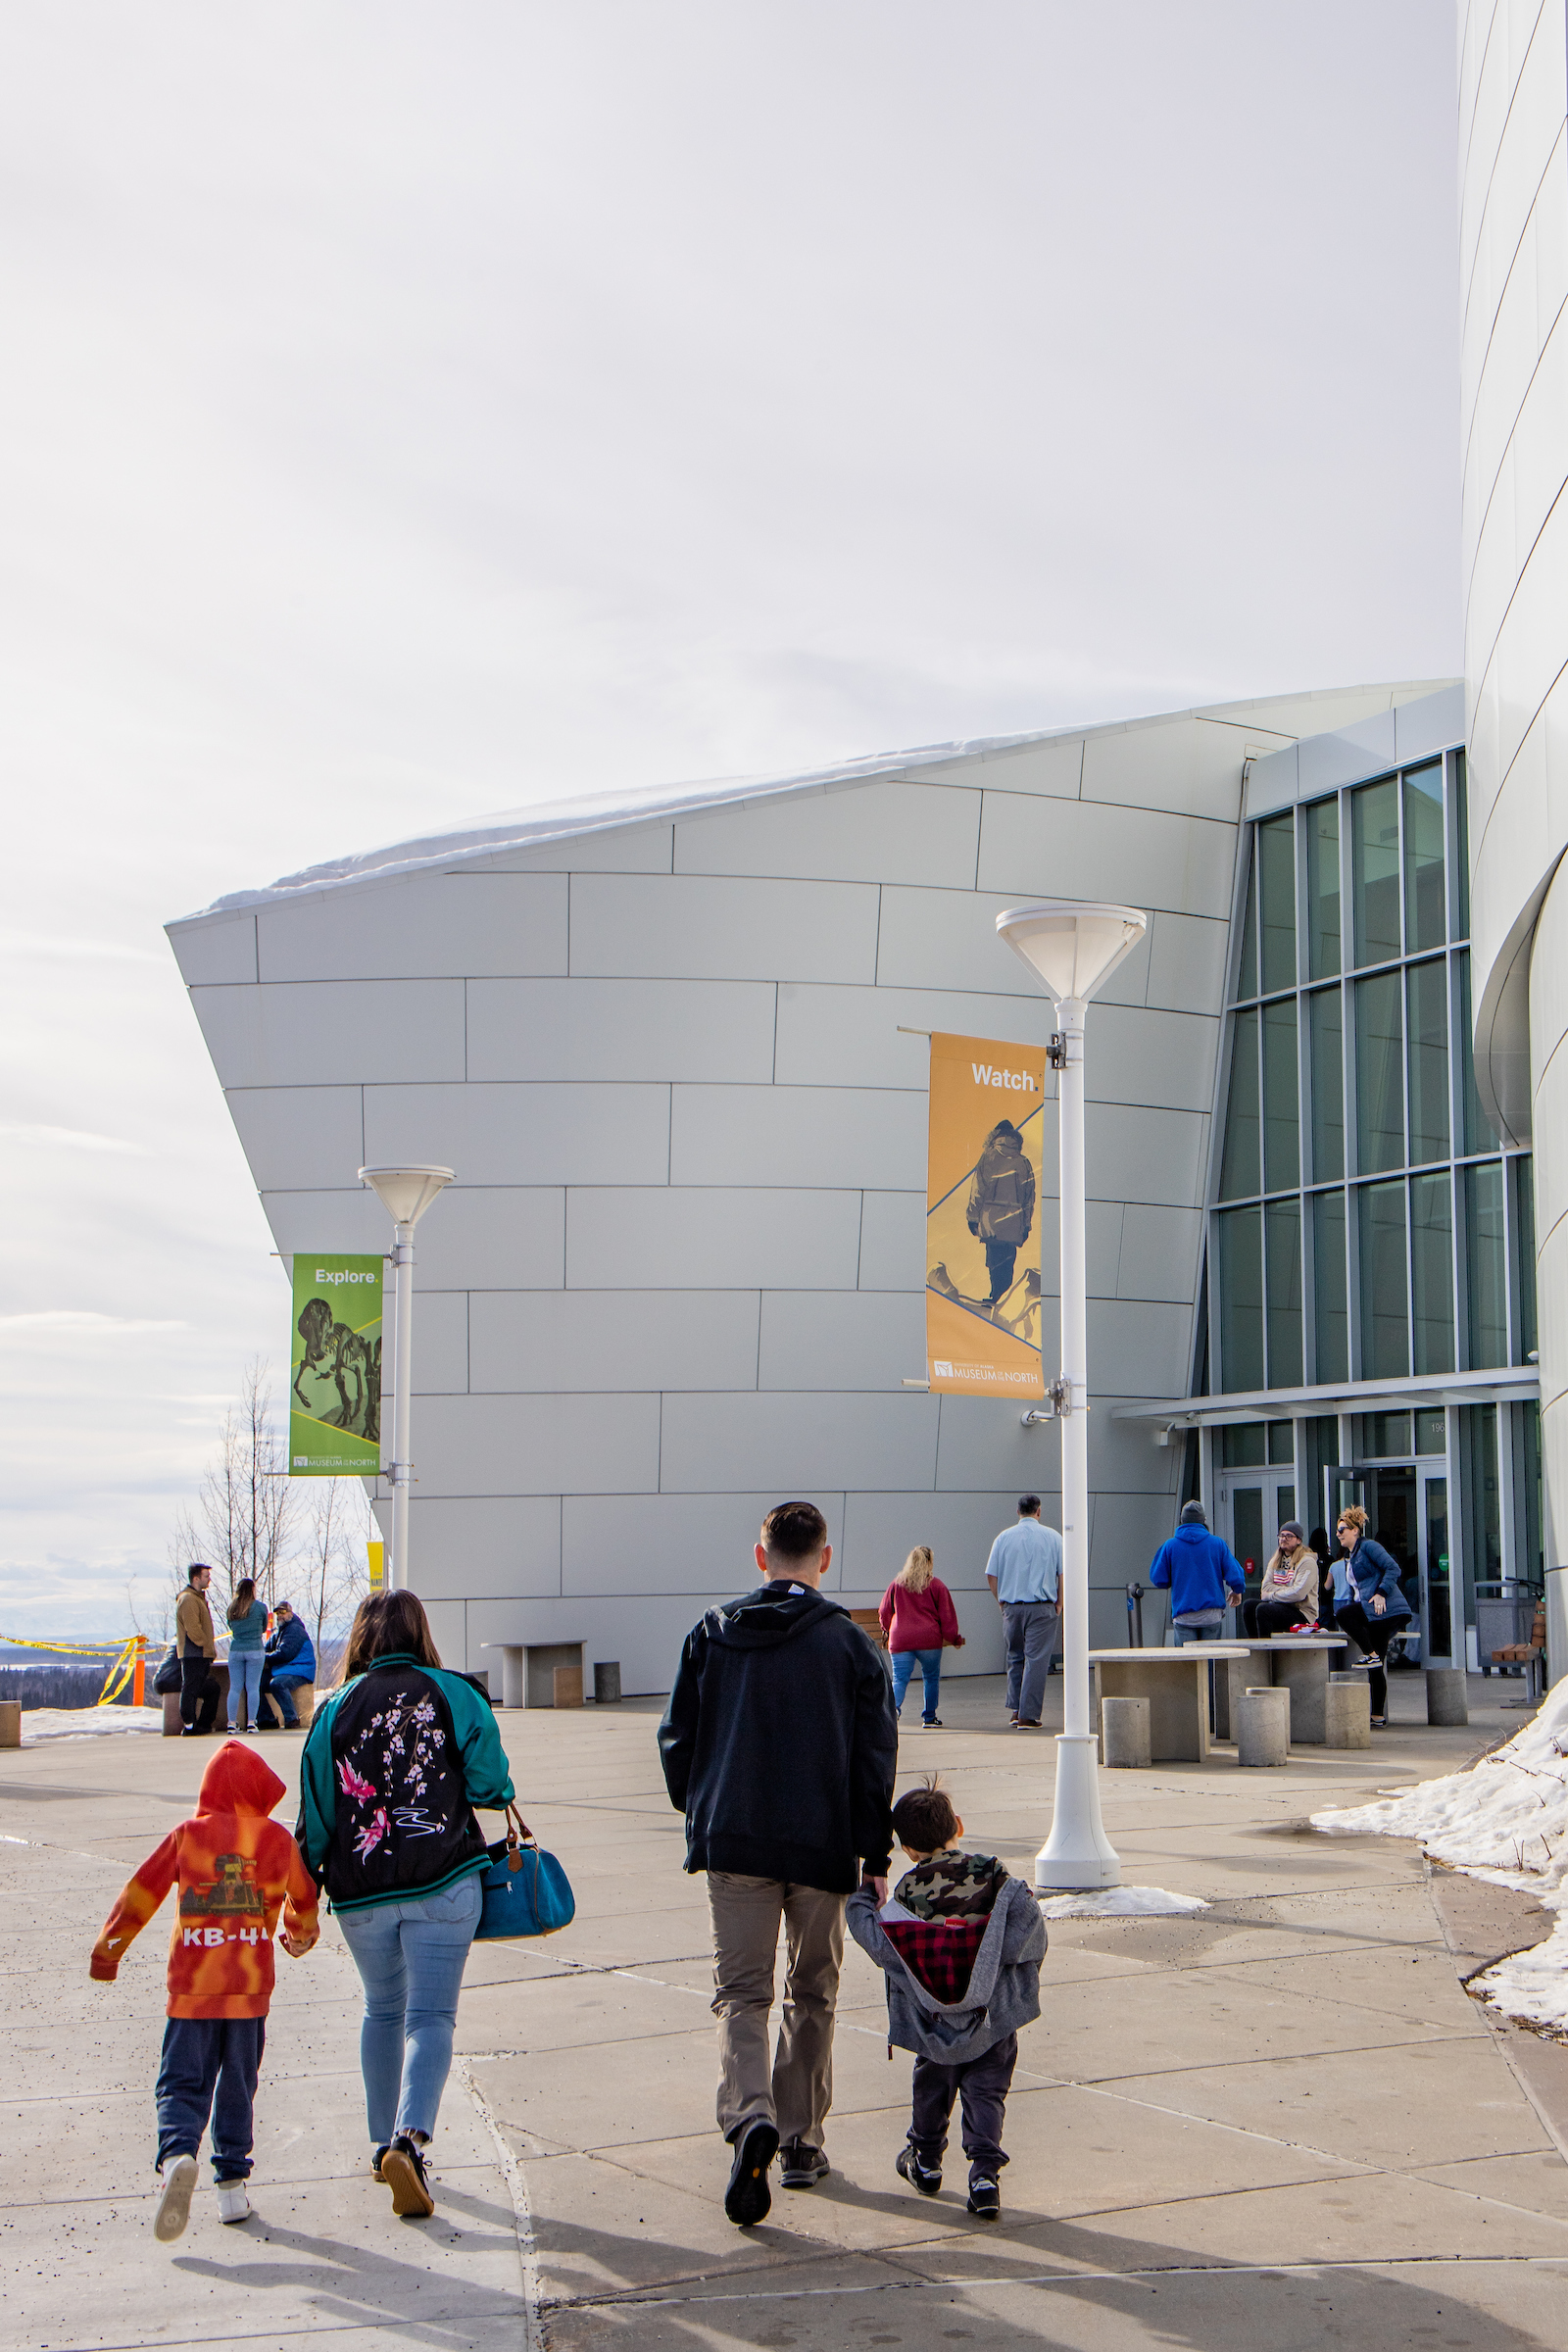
(1297, 1661)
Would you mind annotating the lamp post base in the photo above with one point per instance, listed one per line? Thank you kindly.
(1077, 1856)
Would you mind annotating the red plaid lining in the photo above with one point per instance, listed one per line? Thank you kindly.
(940, 1952)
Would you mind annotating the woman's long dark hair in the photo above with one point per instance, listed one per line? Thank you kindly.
(386, 1624)
(244, 1599)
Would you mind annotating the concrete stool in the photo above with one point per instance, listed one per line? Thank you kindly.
(10, 1723)
(1348, 1711)
(1124, 1733)
(607, 1682)
(1264, 1725)
(1446, 1699)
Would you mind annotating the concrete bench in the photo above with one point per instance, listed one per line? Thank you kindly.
(1295, 1662)
(1175, 1682)
(528, 1673)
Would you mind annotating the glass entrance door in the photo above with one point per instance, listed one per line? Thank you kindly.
(1436, 1595)
(1253, 1504)
(1407, 1505)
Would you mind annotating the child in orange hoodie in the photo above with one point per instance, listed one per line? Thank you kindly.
(236, 1869)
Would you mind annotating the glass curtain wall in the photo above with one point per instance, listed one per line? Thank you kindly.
(1357, 1169)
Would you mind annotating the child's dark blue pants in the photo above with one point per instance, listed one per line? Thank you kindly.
(209, 2068)
(981, 2087)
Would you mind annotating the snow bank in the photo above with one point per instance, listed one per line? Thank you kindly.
(86, 1723)
(1120, 1902)
(1504, 1820)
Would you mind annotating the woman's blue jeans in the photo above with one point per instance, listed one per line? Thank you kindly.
(904, 1665)
(411, 1958)
(245, 1683)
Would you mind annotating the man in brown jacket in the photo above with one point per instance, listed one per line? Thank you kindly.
(199, 1687)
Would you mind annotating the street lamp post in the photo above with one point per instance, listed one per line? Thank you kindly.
(405, 1194)
(1072, 948)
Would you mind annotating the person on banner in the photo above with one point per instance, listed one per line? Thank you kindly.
(396, 1762)
(780, 1746)
(1002, 1204)
(288, 1664)
(1024, 1573)
(199, 1687)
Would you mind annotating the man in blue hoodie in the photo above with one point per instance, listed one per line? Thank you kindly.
(1203, 1575)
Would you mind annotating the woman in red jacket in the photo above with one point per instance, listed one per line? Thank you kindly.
(918, 1616)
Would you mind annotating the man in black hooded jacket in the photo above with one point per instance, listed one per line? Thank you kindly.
(780, 1746)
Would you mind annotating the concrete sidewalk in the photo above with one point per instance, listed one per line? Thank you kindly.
(1277, 2123)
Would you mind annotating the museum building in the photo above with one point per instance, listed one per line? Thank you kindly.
(674, 1047)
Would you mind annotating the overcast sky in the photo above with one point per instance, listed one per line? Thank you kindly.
(408, 413)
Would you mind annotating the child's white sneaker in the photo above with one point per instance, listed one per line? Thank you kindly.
(234, 2205)
(174, 2198)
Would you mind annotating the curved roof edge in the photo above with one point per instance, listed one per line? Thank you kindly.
(545, 822)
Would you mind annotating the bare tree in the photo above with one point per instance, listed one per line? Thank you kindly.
(331, 1567)
(242, 1516)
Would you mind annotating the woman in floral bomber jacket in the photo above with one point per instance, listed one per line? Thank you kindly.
(395, 1763)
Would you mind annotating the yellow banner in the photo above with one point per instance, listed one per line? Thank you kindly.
(982, 1223)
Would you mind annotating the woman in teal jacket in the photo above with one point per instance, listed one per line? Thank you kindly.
(396, 1762)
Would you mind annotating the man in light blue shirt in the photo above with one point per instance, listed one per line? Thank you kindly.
(1024, 1572)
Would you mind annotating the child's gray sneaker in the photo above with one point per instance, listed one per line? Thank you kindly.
(174, 2198)
(926, 2178)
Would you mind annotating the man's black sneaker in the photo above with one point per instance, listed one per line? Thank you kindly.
(748, 2197)
(402, 2170)
(801, 2166)
(926, 2178)
(985, 2200)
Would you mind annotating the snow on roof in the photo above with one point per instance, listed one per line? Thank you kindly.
(544, 822)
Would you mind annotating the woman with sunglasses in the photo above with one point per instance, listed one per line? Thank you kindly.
(1371, 1606)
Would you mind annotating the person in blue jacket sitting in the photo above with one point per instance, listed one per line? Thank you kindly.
(1369, 1603)
(1203, 1575)
(290, 1661)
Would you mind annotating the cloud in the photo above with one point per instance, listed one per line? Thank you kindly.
(68, 1138)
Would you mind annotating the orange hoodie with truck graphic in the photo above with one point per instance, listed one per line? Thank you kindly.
(236, 1869)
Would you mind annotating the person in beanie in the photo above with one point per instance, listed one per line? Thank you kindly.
(960, 1946)
(780, 1746)
(1203, 1577)
(236, 1869)
(1287, 1601)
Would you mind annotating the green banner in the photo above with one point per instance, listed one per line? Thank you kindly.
(334, 1421)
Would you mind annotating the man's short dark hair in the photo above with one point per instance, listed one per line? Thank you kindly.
(197, 1568)
(924, 1819)
(794, 1531)
(1028, 1505)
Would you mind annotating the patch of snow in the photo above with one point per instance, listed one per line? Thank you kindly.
(86, 1723)
(1120, 1902)
(1504, 1820)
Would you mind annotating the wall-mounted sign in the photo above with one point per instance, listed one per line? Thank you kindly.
(982, 1225)
(334, 1420)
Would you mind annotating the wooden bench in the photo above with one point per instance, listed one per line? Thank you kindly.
(1175, 1682)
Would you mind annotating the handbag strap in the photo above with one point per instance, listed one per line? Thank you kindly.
(518, 1834)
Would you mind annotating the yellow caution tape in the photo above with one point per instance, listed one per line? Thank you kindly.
(120, 1670)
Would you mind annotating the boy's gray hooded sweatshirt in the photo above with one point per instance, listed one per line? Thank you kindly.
(1003, 1989)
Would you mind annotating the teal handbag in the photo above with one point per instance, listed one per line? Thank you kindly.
(524, 1891)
